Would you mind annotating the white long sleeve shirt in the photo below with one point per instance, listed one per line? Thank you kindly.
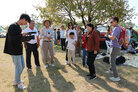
(62, 34)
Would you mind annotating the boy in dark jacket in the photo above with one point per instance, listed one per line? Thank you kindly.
(13, 47)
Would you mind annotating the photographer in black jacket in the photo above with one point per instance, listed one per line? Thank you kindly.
(13, 47)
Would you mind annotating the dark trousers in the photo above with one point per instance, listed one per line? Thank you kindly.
(90, 62)
(63, 45)
(66, 51)
(32, 48)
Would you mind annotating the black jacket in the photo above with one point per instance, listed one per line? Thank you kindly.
(13, 42)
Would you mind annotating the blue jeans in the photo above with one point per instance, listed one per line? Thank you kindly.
(84, 56)
(18, 61)
(55, 40)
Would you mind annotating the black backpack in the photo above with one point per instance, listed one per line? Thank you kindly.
(119, 60)
(106, 60)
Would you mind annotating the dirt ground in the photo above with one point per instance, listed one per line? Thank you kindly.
(62, 78)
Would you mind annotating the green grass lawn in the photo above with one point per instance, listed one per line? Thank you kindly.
(62, 78)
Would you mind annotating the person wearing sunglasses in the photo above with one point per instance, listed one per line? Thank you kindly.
(115, 48)
(67, 32)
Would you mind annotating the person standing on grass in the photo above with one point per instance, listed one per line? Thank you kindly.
(55, 37)
(58, 36)
(68, 31)
(92, 47)
(46, 37)
(84, 49)
(63, 38)
(115, 48)
(79, 41)
(107, 40)
(71, 49)
(32, 46)
(14, 47)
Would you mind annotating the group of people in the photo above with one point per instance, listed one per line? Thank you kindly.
(61, 39)
(70, 39)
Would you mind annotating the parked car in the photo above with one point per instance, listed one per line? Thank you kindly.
(102, 30)
(2, 33)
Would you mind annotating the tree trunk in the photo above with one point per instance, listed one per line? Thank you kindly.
(83, 21)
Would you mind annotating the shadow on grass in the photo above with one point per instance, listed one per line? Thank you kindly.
(58, 49)
(123, 83)
(60, 84)
(102, 83)
(100, 68)
(38, 83)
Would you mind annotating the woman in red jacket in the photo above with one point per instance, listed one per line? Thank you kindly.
(92, 47)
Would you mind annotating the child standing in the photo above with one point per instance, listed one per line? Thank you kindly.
(71, 49)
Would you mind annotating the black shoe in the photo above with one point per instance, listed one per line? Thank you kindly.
(38, 66)
(89, 75)
(74, 64)
(92, 77)
(84, 66)
(69, 64)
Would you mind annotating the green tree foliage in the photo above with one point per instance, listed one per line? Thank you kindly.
(127, 24)
(38, 24)
(95, 11)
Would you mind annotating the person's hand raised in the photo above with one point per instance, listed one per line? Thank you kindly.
(67, 29)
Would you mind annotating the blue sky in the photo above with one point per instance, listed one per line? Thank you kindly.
(11, 9)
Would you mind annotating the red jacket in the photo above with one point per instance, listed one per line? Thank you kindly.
(92, 41)
(84, 40)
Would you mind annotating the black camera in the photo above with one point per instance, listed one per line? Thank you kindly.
(29, 36)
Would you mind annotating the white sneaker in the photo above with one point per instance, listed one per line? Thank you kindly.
(46, 66)
(109, 71)
(66, 63)
(15, 83)
(21, 86)
(52, 65)
(115, 79)
(30, 69)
